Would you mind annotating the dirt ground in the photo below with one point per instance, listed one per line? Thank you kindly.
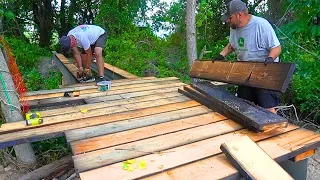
(314, 166)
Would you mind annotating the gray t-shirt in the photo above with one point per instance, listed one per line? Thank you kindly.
(254, 41)
(86, 35)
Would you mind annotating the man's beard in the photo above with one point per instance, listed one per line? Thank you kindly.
(233, 26)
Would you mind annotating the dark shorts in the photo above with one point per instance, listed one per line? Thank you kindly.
(100, 42)
(262, 97)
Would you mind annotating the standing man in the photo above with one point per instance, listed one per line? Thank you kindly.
(91, 39)
(252, 38)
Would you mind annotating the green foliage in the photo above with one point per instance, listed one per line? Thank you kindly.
(26, 55)
(51, 150)
(53, 80)
(305, 88)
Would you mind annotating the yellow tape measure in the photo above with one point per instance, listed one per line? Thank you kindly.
(33, 115)
(33, 118)
(33, 122)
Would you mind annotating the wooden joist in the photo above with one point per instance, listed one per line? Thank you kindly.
(248, 114)
(180, 156)
(285, 143)
(274, 76)
(251, 161)
(50, 131)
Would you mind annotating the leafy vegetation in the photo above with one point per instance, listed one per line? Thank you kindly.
(133, 46)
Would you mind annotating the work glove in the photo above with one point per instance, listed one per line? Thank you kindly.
(218, 57)
(268, 60)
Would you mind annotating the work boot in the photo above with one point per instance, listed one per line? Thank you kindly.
(88, 77)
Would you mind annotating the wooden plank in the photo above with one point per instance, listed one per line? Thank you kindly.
(68, 101)
(115, 83)
(218, 167)
(32, 135)
(89, 107)
(21, 125)
(304, 155)
(274, 76)
(50, 171)
(119, 71)
(68, 70)
(178, 156)
(45, 94)
(94, 131)
(156, 145)
(105, 93)
(244, 112)
(251, 161)
(91, 144)
(130, 95)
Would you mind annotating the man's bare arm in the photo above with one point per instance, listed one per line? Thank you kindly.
(227, 50)
(275, 52)
(77, 57)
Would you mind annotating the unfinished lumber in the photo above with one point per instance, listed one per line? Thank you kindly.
(130, 95)
(88, 107)
(280, 148)
(43, 132)
(180, 156)
(91, 144)
(76, 91)
(21, 125)
(113, 72)
(104, 129)
(155, 145)
(50, 171)
(274, 76)
(112, 91)
(115, 83)
(240, 110)
(251, 161)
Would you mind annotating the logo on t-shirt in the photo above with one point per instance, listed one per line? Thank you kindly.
(241, 42)
(83, 27)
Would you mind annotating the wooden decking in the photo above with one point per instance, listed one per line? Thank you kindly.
(148, 120)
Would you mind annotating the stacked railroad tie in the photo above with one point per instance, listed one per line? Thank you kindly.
(245, 113)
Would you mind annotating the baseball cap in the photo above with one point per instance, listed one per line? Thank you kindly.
(233, 7)
(65, 42)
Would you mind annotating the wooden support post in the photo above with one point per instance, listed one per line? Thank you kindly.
(10, 107)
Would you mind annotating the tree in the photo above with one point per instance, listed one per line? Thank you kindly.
(191, 31)
(43, 17)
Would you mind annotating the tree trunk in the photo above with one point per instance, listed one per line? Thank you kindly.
(43, 17)
(10, 106)
(191, 31)
(62, 16)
